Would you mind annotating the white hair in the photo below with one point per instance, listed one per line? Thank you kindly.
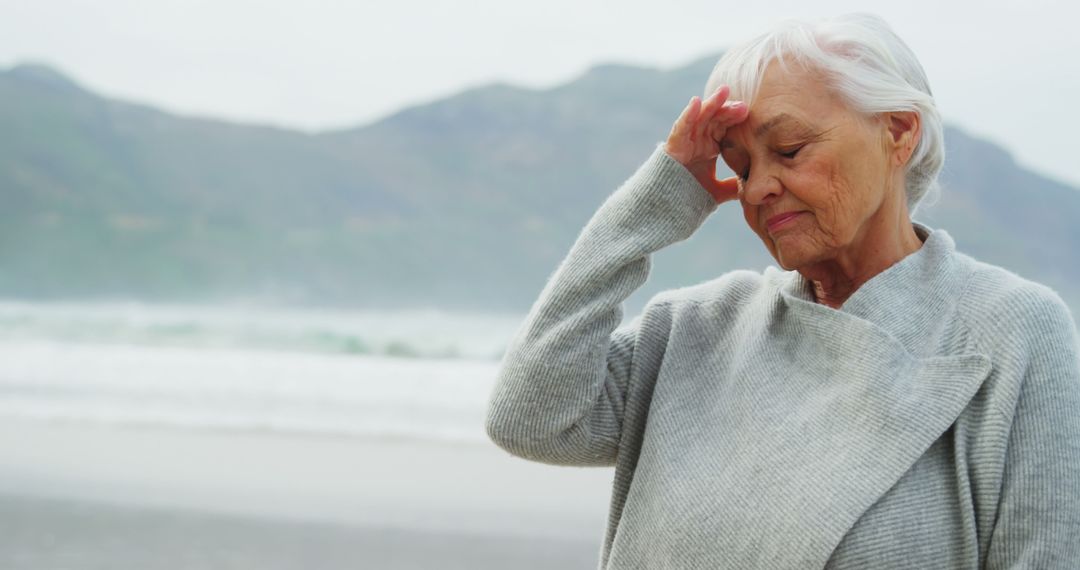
(865, 63)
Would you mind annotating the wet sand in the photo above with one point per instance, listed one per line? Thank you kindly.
(75, 495)
(52, 534)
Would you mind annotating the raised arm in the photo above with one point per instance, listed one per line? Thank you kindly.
(561, 388)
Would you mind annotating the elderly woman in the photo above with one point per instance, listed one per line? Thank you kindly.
(881, 401)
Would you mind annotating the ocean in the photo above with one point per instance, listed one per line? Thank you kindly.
(422, 374)
(164, 436)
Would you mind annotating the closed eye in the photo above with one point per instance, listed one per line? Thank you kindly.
(790, 153)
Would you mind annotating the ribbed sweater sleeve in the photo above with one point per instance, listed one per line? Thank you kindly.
(560, 389)
(1038, 522)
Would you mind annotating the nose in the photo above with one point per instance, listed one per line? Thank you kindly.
(760, 188)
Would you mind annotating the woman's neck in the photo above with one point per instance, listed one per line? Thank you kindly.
(835, 280)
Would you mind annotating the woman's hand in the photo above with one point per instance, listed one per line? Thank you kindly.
(695, 140)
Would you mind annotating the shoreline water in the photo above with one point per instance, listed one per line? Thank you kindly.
(287, 392)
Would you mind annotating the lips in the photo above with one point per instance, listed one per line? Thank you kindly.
(781, 219)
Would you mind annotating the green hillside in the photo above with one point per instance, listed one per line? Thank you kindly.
(468, 202)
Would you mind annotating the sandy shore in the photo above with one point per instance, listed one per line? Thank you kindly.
(46, 534)
(83, 495)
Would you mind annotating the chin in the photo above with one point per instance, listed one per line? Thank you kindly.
(790, 250)
(786, 264)
(793, 255)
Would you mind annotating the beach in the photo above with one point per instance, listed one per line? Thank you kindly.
(89, 495)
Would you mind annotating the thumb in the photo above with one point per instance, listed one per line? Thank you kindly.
(724, 190)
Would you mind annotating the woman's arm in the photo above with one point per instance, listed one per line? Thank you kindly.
(560, 390)
(1038, 522)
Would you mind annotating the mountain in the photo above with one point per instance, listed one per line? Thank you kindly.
(468, 202)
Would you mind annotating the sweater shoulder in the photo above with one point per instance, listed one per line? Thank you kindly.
(1001, 307)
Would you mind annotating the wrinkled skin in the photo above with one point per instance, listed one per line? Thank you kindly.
(800, 148)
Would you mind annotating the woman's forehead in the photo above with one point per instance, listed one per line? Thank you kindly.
(760, 127)
(789, 101)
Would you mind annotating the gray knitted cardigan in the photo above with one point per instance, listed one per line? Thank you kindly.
(933, 421)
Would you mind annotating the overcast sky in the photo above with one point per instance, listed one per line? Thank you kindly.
(1007, 71)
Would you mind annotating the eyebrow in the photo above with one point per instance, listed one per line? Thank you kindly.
(764, 128)
(781, 118)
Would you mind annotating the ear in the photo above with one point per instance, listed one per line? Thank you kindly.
(905, 130)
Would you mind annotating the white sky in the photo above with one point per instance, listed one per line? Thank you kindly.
(1007, 71)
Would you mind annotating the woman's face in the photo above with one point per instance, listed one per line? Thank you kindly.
(802, 151)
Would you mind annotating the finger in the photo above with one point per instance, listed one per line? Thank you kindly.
(694, 111)
(717, 98)
(716, 101)
(728, 114)
(679, 128)
(731, 114)
(736, 111)
(686, 110)
(711, 106)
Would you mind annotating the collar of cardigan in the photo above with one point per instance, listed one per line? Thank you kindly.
(907, 301)
(867, 397)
